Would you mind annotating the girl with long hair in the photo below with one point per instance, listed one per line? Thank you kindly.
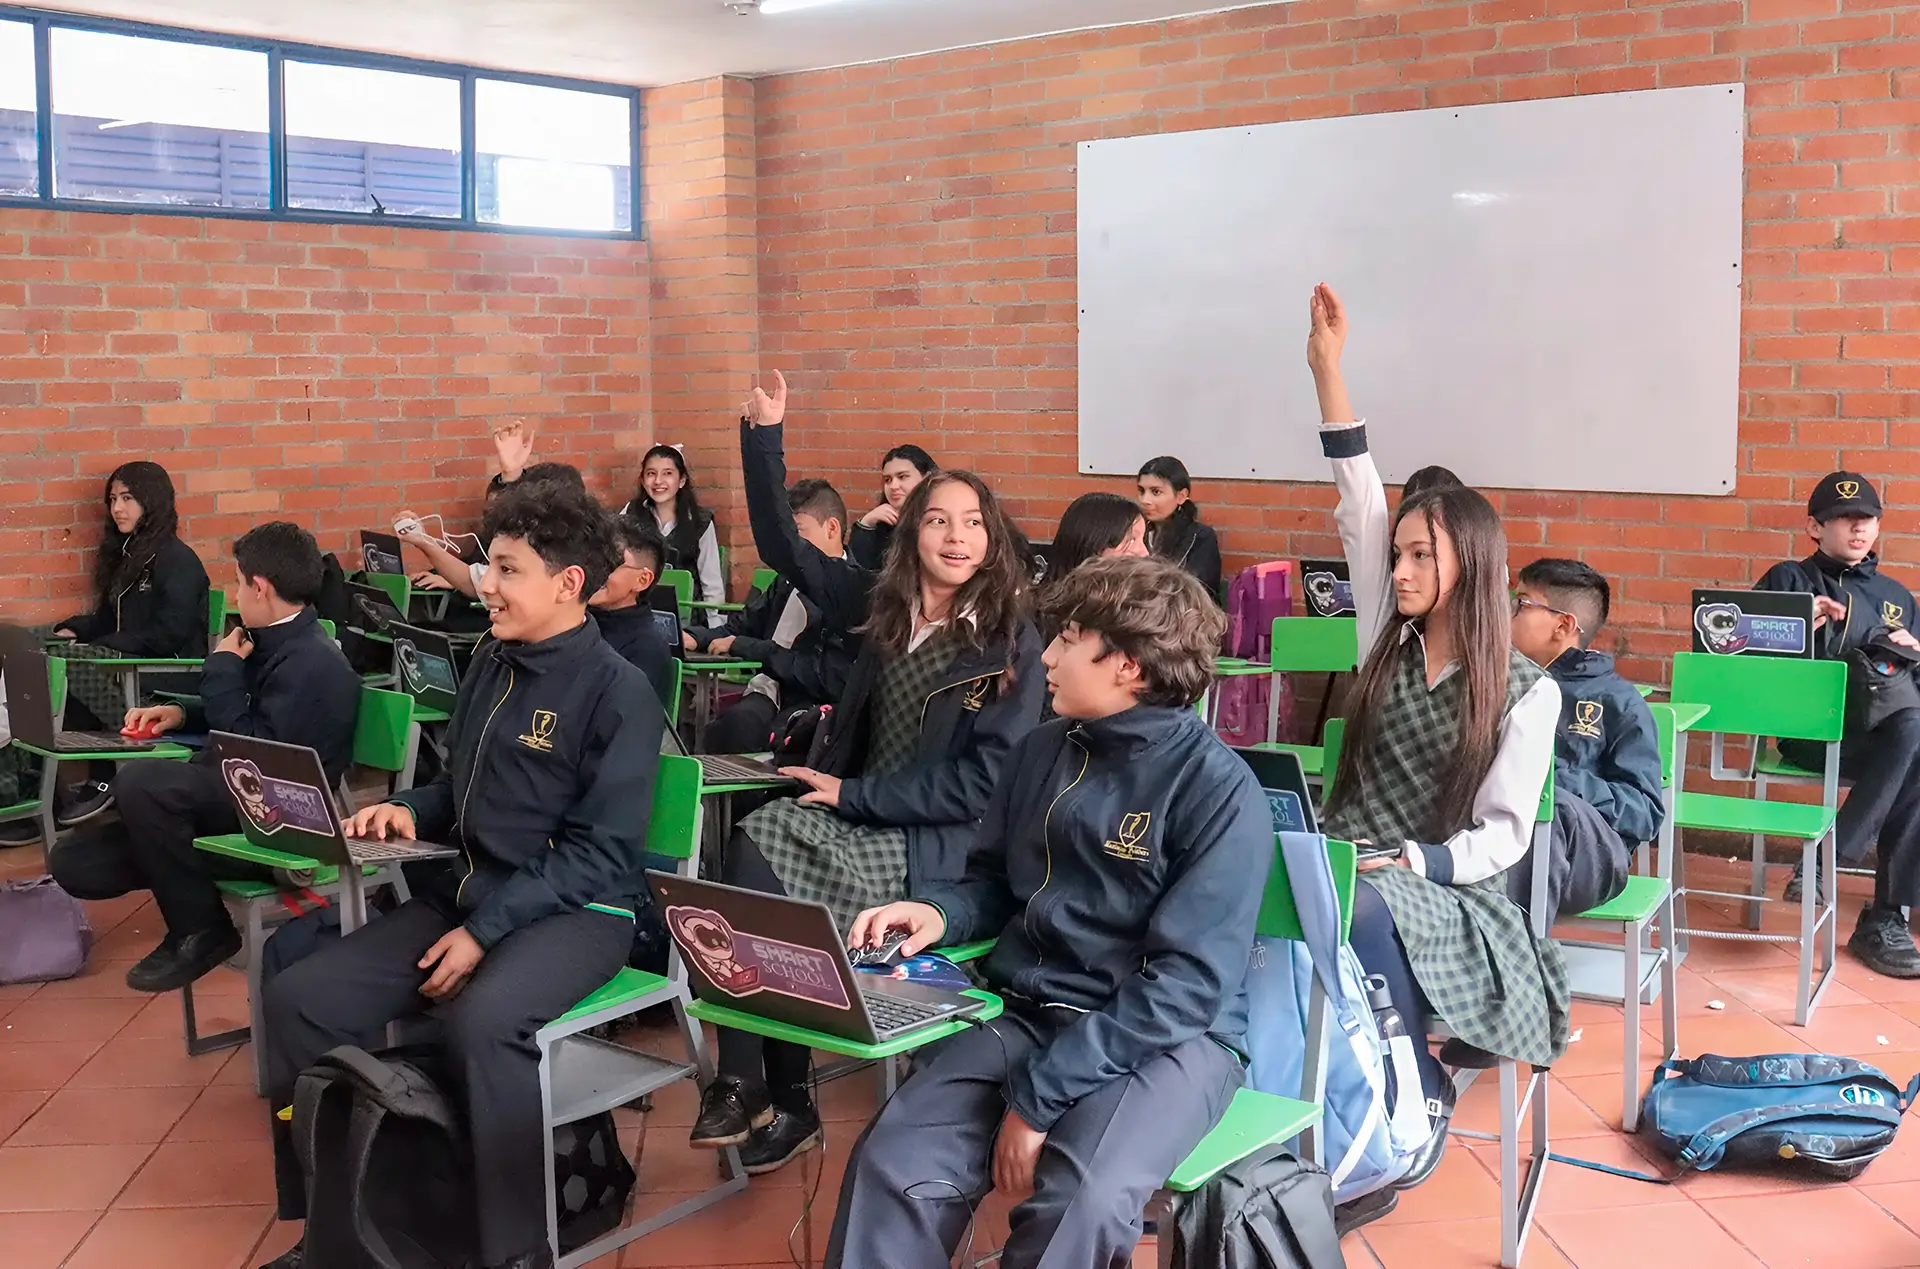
(1096, 525)
(1174, 528)
(665, 498)
(949, 678)
(1450, 735)
(902, 468)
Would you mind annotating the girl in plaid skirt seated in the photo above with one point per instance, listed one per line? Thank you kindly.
(948, 680)
(1449, 739)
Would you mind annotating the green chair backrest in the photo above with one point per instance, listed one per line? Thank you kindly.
(399, 588)
(1316, 645)
(328, 626)
(675, 830)
(1330, 742)
(1663, 732)
(675, 680)
(1544, 814)
(1278, 917)
(763, 578)
(216, 614)
(380, 729)
(57, 684)
(680, 582)
(1764, 696)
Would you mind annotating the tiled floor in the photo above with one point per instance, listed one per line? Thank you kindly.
(117, 1151)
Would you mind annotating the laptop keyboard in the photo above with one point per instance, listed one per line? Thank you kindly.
(97, 741)
(718, 769)
(365, 850)
(890, 1013)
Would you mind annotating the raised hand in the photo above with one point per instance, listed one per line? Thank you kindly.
(763, 410)
(1328, 334)
(513, 444)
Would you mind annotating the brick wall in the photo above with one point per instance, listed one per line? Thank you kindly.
(917, 248)
(326, 374)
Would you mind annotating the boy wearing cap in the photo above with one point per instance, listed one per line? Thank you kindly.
(1855, 604)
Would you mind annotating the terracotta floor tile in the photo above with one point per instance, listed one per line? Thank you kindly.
(1652, 1234)
(237, 1071)
(1567, 1115)
(46, 1019)
(17, 1107)
(105, 1116)
(1353, 1250)
(1470, 1244)
(753, 1226)
(1738, 1034)
(1773, 990)
(189, 1238)
(66, 1178)
(205, 1174)
(125, 1063)
(1698, 992)
(1833, 1228)
(1459, 1185)
(1568, 1188)
(1901, 1162)
(1710, 956)
(1854, 1030)
(102, 978)
(132, 938)
(104, 915)
(280, 1238)
(42, 1066)
(223, 1112)
(42, 1240)
(1901, 1199)
(1601, 1047)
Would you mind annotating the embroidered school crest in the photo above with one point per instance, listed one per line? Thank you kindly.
(1129, 846)
(1848, 489)
(976, 696)
(1586, 719)
(1890, 614)
(540, 737)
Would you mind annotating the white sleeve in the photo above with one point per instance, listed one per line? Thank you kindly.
(1365, 530)
(1505, 808)
(712, 587)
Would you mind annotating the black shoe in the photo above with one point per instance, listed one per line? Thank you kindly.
(1882, 943)
(1466, 1057)
(1796, 886)
(730, 1109)
(1364, 1210)
(177, 962)
(82, 802)
(791, 1134)
(1440, 1112)
(541, 1259)
(19, 832)
(291, 1259)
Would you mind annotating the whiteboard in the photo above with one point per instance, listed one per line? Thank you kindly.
(1543, 294)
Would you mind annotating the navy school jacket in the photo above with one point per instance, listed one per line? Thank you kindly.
(295, 687)
(1605, 751)
(1121, 865)
(161, 613)
(1875, 602)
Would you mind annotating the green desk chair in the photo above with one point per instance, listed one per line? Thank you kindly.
(680, 582)
(398, 586)
(676, 687)
(582, 1076)
(762, 578)
(385, 737)
(1309, 645)
(218, 605)
(42, 807)
(1759, 697)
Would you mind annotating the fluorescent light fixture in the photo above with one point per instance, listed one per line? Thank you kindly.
(771, 7)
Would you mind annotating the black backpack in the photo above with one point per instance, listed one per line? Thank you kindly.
(1268, 1211)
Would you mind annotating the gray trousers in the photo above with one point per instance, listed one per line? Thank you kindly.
(926, 1160)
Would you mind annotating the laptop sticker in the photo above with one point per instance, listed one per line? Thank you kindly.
(376, 560)
(1288, 817)
(1725, 629)
(1330, 596)
(272, 804)
(746, 964)
(422, 671)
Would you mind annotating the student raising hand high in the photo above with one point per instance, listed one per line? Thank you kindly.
(1326, 340)
(762, 410)
(513, 445)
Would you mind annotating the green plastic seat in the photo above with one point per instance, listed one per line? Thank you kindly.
(1253, 1122)
(763, 578)
(1640, 900)
(960, 953)
(623, 988)
(680, 582)
(1720, 813)
(248, 890)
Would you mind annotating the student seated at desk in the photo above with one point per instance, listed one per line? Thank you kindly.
(448, 571)
(554, 743)
(1449, 735)
(801, 628)
(1121, 865)
(949, 679)
(666, 497)
(1174, 529)
(1096, 525)
(276, 676)
(1607, 798)
(621, 610)
(901, 469)
(1855, 606)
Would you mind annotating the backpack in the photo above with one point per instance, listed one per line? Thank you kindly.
(1374, 1119)
(44, 935)
(1268, 1211)
(1244, 702)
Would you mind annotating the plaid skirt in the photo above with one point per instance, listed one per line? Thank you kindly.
(103, 691)
(821, 858)
(19, 776)
(1497, 986)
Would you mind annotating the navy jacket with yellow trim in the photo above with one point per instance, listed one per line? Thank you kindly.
(1875, 603)
(1606, 751)
(549, 791)
(1121, 865)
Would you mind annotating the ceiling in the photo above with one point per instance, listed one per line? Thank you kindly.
(645, 42)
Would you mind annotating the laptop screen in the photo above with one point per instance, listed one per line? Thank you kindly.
(1753, 623)
(1285, 783)
(380, 552)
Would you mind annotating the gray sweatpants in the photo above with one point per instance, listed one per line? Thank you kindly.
(927, 1159)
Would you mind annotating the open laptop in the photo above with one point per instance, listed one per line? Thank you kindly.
(667, 621)
(782, 959)
(1285, 782)
(380, 552)
(284, 803)
(1753, 623)
(725, 768)
(1328, 588)
(370, 608)
(425, 662)
(30, 710)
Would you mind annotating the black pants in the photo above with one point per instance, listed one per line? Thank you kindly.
(750, 1058)
(528, 979)
(163, 807)
(1376, 941)
(1590, 863)
(746, 726)
(1883, 807)
(927, 1159)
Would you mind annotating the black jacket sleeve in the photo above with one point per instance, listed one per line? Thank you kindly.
(597, 852)
(980, 904)
(178, 627)
(1625, 786)
(868, 547)
(1791, 576)
(88, 626)
(838, 588)
(1203, 560)
(1194, 959)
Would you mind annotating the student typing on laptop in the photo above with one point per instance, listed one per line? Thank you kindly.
(1120, 1046)
(277, 677)
(553, 747)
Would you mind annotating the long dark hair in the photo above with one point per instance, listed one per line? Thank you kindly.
(921, 460)
(1094, 522)
(686, 504)
(1172, 538)
(1480, 625)
(996, 594)
(123, 555)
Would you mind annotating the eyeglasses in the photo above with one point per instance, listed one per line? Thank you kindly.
(1521, 601)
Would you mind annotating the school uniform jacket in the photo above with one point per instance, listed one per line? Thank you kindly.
(550, 788)
(1121, 866)
(1875, 602)
(636, 636)
(161, 612)
(295, 687)
(1606, 752)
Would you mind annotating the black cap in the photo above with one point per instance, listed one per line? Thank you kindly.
(1843, 493)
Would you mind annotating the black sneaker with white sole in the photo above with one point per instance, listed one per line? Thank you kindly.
(791, 1134)
(1796, 887)
(82, 802)
(19, 832)
(730, 1109)
(1882, 942)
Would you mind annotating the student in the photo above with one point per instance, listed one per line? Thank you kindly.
(150, 600)
(693, 543)
(801, 628)
(621, 608)
(1430, 477)
(902, 469)
(276, 676)
(1174, 530)
(554, 743)
(948, 681)
(1095, 525)
(447, 571)
(1124, 1036)
(1449, 734)
(1606, 757)
(1855, 606)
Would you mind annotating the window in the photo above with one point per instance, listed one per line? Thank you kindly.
(138, 120)
(553, 158)
(19, 142)
(374, 141)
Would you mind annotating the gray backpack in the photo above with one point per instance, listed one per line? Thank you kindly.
(1268, 1211)
(44, 933)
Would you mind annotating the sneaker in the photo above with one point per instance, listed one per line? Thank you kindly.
(730, 1109)
(19, 832)
(1364, 1210)
(291, 1259)
(1462, 1056)
(1796, 886)
(1883, 944)
(790, 1134)
(1440, 1111)
(177, 962)
(81, 802)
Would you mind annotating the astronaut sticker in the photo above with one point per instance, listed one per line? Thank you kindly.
(1724, 628)
(1329, 595)
(746, 964)
(271, 805)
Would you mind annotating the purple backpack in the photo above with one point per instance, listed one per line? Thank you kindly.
(1245, 705)
(44, 933)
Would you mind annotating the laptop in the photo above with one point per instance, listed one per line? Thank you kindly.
(380, 552)
(284, 803)
(30, 709)
(1328, 588)
(667, 621)
(1285, 782)
(725, 768)
(782, 959)
(370, 608)
(1753, 623)
(425, 663)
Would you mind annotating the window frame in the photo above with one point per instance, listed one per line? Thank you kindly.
(278, 52)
